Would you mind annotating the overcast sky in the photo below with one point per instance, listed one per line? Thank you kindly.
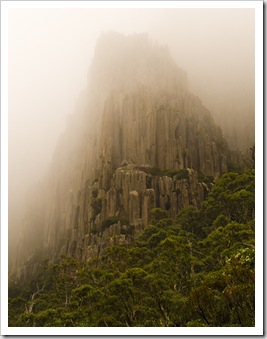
(50, 52)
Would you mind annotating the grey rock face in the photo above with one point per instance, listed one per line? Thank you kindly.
(125, 212)
(136, 116)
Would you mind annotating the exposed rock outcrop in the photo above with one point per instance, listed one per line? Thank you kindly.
(135, 123)
(120, 213)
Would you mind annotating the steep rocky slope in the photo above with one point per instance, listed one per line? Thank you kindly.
(138, 140)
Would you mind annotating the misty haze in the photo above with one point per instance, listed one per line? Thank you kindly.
(131, 167)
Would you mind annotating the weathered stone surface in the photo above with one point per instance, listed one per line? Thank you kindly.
(148, 203)
(169, 137)
(134, 207)
(131, 119)
(111, 201)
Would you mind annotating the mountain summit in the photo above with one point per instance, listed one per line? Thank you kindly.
(139, 140)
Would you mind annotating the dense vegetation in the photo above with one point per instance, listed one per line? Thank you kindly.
(195, 270)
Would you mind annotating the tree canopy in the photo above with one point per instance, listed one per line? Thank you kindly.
(194, 270)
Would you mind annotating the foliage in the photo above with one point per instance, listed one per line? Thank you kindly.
(233, 167)
(179, 174)
(196, 270)
(126, 228)
(109, 221)
(156, 214)
(208, 180)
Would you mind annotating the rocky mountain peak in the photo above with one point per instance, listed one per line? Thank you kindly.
(140, 141)
(121, 62)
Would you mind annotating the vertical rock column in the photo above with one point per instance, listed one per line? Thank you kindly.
(134, 207)
(149, 202)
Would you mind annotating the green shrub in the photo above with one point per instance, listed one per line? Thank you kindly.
(179, 174)
(155, 171)
(114, 220)
(233, 167)
(127, 229)
(207, 179)
(156, 214)
(109, 221)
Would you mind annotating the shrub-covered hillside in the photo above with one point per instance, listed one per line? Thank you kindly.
(195, 270)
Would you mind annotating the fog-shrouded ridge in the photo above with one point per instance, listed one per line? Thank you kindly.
(50, 52)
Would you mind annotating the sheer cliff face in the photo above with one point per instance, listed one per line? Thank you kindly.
(149, 117)
(136, 116)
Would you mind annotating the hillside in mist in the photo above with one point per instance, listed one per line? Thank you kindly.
(49, 53)
(139, 140)
(145, 216)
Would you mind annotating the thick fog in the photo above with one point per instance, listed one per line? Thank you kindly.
(50, 51)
